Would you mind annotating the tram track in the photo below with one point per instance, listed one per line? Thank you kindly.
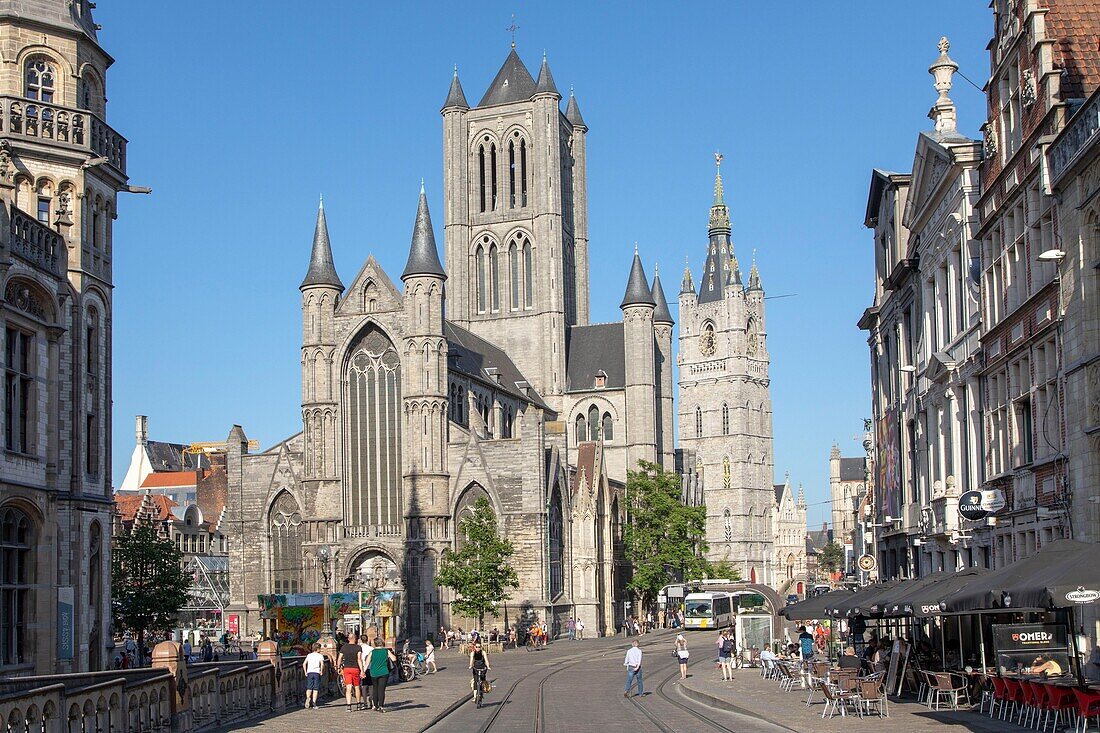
(665, 696)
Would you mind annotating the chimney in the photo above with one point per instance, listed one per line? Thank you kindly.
(142, 430)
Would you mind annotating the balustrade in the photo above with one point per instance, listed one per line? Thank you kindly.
(33, 241)
(29, 118)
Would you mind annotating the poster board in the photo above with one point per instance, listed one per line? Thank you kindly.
(1017, 646)
(895, 672)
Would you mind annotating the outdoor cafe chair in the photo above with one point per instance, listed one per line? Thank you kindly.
(1088, 708)
(1014, 693)
(837, 700)
(930, 690)
(1032, 702)
(819, 669)
(816, 685)
(987, 696)
(1060, 702)
(788, 679)
(872, 694)
(946, 687)
(1000, 695)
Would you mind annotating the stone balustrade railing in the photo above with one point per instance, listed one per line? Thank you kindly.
(171, 697)
(29, 118)
(36, 242)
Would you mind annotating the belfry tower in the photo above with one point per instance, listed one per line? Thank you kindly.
(725, 401)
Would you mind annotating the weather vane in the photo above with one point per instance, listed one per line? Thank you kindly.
(718, 159)
(512, 29)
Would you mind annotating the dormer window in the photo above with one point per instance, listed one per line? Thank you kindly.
(601, 379)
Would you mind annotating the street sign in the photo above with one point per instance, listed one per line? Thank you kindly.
(970, 506)
(866, 562)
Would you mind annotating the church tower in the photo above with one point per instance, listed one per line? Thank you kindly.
(725, 400)
(321, 289)
(515, 218)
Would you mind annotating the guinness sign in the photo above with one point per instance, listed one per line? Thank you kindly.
(970, 506)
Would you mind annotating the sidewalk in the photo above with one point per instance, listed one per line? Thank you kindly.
(751, 694)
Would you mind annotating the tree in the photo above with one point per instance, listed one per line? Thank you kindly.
(831, 557)
(663, 539)
(479, 572)
(723, 569)
(148, 583)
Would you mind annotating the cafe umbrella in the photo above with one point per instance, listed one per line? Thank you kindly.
(814, 607)
(987, 592)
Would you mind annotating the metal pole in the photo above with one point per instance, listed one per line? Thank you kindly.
(981, 640)
(959, 627)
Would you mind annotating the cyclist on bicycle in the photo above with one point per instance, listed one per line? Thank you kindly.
(479, 665)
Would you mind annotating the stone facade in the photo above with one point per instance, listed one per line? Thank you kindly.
(480, 379)
(790, 538)
(61, 167)
(847, 484)
(725, 412)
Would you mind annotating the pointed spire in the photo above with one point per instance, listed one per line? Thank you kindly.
(687, 285)
(661, 313)
(573, 112)
(423, 256)
(321, 271)
(835, 452)
(513, 83)
(637, 287)
(754, 275)
(735, 270)
(801, 496)
(719, 213)
(545, 83)
(456, 97)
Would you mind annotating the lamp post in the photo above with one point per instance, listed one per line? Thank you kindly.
(326, 555)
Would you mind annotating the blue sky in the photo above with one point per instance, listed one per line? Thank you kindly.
(239, 114)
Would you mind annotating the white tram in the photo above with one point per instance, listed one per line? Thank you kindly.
(709, 610)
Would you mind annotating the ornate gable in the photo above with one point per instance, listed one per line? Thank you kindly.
(930, 167)
(371, 291)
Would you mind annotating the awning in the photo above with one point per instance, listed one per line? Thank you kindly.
(815, 607)
(1039, 581)
(924, 597)
(865, 600)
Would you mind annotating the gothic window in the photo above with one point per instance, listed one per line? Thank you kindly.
(523, 172)
(698, 422)
(16, 585)
(481, 176)
(608, 427)
(725, 419)
(91, 427)
(507, 418)
(493, 175)
(40, 77)
(557, 544)
(464, 508)
(512, 173)
(373, 402)
(528, 275)
(579, 429)
(285, 529)
(514, 282)
(593, 423)
(494, 279)
(479, 260)
(19, 390)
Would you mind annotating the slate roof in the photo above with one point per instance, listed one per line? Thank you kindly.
(778, 492)
(817, 539)
(716, 268)
(51, 12)
(852, 469)
(594, 348)
(546, 79)
(637, 287)
(573, 112)
(661, 313)
(472, 355)
(513, 83)
(423, 255)
(321, 271)
(456, 97)
(170, 457)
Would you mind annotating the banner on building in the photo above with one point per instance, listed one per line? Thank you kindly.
(888, 478)
(65, 626)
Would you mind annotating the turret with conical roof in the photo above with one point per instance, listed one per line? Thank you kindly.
(322, 270)
(573, 112)
(639, 346)
(423, 255)
(637, 287)
(661, 313)
(456, 98)
(664, 359)
(545, 84)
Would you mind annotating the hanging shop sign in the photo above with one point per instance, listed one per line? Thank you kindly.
(993, 500)
(1083, 595)
(970, 506)
(866, 562)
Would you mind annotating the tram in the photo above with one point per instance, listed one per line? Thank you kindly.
(709, 610)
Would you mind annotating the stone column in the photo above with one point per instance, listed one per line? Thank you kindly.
(169, 655)
(268, 651)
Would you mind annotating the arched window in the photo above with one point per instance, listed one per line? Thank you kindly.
(579, 429)
(698, 422)
(507, 417)
(40, 78)
(608, 427)
(512, 173)
(481, 176)
(725, 419)
(523, 172)
(593, 423)
(20, 379)
(555, 527)
(373, 431)
(479, 259)
(285, 526)
(513, 276)
(16, 586)
(494, 278)
(493, 174)
(528, 275)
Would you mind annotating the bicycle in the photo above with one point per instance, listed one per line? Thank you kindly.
(479, 685)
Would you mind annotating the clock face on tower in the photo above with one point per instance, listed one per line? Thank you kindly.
(706, 342)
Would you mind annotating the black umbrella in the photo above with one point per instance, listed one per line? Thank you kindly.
(858, 602)
(1072, 579)
(1029, 577)
(814, 607)
(928, 599)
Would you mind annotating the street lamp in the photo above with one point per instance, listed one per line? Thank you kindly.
(326, 555)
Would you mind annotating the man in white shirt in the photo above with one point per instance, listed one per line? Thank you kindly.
(314, 666)
(633, 664)
(580, 629)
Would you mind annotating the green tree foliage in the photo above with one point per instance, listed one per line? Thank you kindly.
(479, 573)
(148, 584)
(663, 539)
(723, 569)
(831, 558)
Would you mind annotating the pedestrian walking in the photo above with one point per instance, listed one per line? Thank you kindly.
(429, 657)
(633, 664)
(571, 628)
(580, 630)
(364, 678)
(681, 649)
(379, 666)
(351, 667)
(806, 643)
(314, 665)
(725, 654)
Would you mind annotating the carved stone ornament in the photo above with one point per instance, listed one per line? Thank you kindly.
(24, 299)
(7, 165)
(1027, 88)
(990, 139)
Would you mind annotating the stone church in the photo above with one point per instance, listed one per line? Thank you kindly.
(478, 376)
(725, 408)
